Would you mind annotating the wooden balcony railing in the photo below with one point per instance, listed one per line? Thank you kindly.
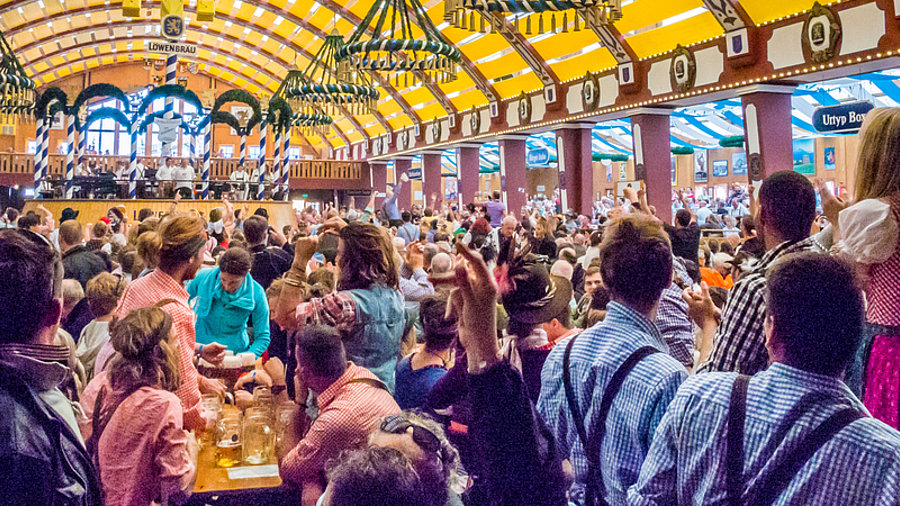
(220, 168)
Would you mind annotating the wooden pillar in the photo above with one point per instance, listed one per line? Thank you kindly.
(768, 131)
(653, 158)
(512, 173)
(576, 181)
(468, 164)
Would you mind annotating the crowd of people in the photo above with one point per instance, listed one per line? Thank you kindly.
(441, 355)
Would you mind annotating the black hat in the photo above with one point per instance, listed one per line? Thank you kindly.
(68, 214)
(528, 291)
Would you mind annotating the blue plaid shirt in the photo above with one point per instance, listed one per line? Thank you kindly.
(686, 464)
(637, 410)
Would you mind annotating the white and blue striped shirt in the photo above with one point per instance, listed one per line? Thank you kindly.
(637, 410)
(686, 463)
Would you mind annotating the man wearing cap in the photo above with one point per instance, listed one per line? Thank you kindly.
(618, 370)
(539, 315)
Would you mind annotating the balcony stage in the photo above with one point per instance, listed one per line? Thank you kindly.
(90, 210)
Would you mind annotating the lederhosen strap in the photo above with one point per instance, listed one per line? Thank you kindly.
(770, 486)
(595, 490)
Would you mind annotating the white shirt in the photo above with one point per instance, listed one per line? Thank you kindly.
(183, 177)
(702, 214)
(239, 175)
(164, 173)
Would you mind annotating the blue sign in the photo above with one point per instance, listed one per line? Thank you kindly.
(415, 173)
(540, 156)
(844, 118)
(172, 26)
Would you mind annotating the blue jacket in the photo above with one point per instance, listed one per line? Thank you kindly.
(224, 317)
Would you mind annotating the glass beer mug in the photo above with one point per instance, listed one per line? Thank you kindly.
(259, 437)
(228, 439)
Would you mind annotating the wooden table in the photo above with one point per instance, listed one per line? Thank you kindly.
(214, 481)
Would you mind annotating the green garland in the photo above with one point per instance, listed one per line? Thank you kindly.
(40, 104)
(227, 118)
(682, 150)
(735, 141)
(237, 96)
(599, 157)
(169, 91)
(284, 114)
(96, 90)
(108, 113)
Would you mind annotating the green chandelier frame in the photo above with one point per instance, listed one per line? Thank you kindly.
(319, 86)
(395, 50)
(311, 123)
(551, 15)
(17, 90)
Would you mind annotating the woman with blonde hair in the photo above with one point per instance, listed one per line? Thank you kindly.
(135, 433)
(868, 231)
(544, 237)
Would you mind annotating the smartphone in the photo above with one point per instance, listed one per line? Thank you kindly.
(696, 288)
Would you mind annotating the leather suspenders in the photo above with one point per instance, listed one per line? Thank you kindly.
(771, 485)
(595, 490)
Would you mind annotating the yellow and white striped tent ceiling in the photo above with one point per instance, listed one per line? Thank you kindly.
(254, 44)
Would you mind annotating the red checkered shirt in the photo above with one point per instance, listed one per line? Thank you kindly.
(347, 414)
(336, 310)
(146, 292)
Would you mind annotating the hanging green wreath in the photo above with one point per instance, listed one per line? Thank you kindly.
(48, 96)
(599, 157)
(280, 114)
(243, 97)
(226, 118)
(735, 141)
(150, 118)
(682, 150)
(169, 91)
(108, 113)
(96, 90)
(489, 170)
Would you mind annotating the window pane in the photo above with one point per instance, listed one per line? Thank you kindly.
(93, 141)
(293, 153)
(124, 144)
(107, 143)
(252, 152)
(107, 124)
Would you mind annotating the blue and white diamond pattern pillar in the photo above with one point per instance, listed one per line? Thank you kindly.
(70, 154)
(37, 154)
(286, 168)
(261, 168)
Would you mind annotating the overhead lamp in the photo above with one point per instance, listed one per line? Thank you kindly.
(318, 87)
(17, 90)
(384, 43)
(545, 15)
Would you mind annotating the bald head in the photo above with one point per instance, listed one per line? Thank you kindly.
(70, 235)
(441, 263)
(562, 269)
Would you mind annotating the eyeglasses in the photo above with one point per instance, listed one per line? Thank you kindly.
(427, 440)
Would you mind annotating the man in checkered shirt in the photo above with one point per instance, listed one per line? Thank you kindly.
(815, 319)
(787, 207)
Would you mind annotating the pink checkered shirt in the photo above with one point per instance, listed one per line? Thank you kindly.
(347, 414)
(146, 292)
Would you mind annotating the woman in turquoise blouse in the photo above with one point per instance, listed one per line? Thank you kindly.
(227, 301)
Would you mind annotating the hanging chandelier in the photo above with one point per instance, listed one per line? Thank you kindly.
(551, 15)
(311, 123)
(18, 90)
(320, 87)
(394, 50)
